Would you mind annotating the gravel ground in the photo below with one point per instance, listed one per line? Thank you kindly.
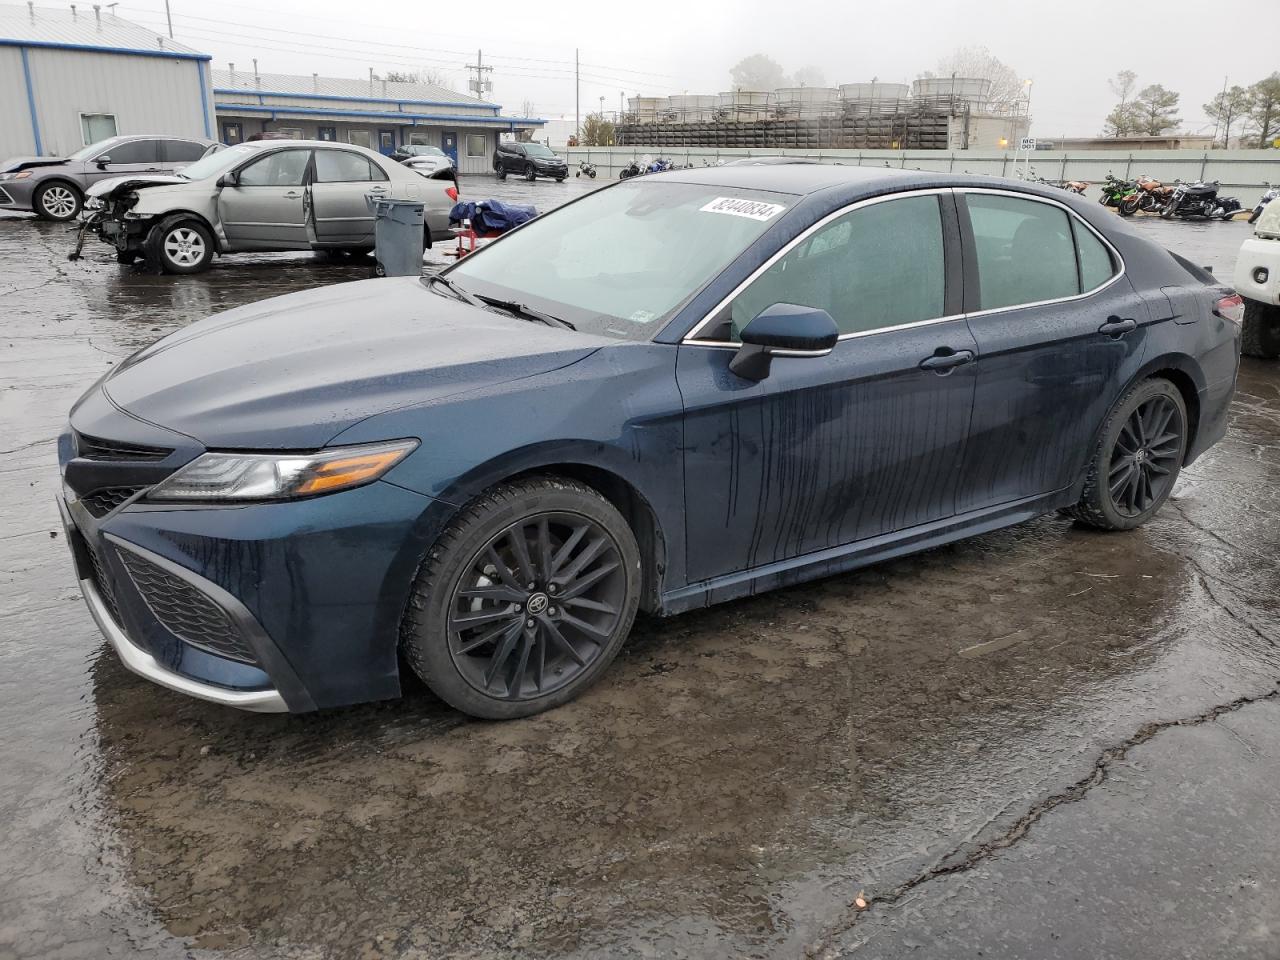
(1040, 742)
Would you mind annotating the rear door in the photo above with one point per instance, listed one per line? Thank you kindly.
(176, 154)
(265, 210)
(861, 443)
(342, 179)
(1059, 330)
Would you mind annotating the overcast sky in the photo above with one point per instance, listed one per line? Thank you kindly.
(1068, 49)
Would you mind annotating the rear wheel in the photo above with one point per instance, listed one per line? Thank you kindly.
(1137, 459)
(1129, 206)
(530, 173)
(1260, 336)
(180, 245)
(57, 201)
(524, 600)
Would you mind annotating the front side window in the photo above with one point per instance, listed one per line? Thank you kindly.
(359, 137)
(284, 168)
(875, 267)
(538, 150)
(342, 166)
(97, 126)
(621, 261)
(1025, 251)
(477, 145)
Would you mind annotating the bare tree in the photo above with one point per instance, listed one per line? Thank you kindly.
(1228, 108)
(1265, 112)
(1007, 86)
(431, 75)
(526, 108)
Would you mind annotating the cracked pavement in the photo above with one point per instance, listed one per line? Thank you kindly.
(1040, 742)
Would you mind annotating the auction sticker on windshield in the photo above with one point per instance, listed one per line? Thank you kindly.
(751, 209)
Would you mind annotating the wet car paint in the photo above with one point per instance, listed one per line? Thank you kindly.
(730, 787)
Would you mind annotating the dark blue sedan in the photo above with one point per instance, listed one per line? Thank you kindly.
(674, 391)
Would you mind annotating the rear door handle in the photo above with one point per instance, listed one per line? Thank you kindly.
(377, 189)
(1118, 327)
(942, 363)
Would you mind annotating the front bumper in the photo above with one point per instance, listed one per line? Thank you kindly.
(16, 194)
(551, 171)
(1255, 254)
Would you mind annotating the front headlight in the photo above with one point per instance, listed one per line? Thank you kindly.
(20, 175)
(280, 476)
(93, 203)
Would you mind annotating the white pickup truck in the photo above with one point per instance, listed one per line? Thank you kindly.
(1257, 279)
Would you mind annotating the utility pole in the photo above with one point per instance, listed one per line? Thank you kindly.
(577, 90)
(168, 17)
(1222, 99)
(480, 86)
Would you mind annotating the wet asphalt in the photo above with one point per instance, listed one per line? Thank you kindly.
(1043, 742)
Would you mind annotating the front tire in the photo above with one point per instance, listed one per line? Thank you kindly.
(57, 202)
(500, 171)
(1137, 460)
(524, 600)
(1260, 335)
(180, 245)
(1129, 206)
(530, 173)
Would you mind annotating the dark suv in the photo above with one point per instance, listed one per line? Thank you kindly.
(532, 160)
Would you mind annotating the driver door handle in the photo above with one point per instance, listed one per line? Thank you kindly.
(293, 195)
(942, 363)
(1118, 326)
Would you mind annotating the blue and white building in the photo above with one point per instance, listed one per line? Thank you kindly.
(375, 113)
(76, 74)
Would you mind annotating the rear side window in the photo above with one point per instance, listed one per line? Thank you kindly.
(1096, 265)
(284, 168)
(342, 166)
(1025, 251)
(875, 267)
(181, 151)
(132, 151)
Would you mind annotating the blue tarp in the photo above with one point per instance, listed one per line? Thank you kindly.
(491, 216)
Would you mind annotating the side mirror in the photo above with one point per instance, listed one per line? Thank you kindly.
(784, 329)
(229, 179)
(103, 160)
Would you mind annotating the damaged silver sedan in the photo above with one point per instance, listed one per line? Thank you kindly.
(261, 197)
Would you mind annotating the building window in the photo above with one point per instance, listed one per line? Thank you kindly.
(97, 126)
(477, 144)
(359, 137)
(328, 134)
(419, 138)
(293, 133)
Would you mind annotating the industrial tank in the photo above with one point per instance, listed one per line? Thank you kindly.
(646, 109)
(693, 108)
(875, 91)
(744, 104)
(973, 90)
(807, 102)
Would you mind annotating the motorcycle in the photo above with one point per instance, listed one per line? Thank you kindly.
(586, 170)
(661, 165)
(1151, 196)
(1199, 199)
(1271, 194)
(632, 169)
(1114, 190)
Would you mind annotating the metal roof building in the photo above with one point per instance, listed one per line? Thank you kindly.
(375, 113)
(74, 75)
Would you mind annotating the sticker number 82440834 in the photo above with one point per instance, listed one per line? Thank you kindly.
(752, 209)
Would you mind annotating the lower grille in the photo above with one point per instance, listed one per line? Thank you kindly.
(4, 196)
(102, 579)
(103, 501)
(186, 612)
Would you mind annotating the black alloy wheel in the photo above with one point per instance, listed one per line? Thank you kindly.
(524, 600)
(1145, 458)
(1137, 459)
(536, 605)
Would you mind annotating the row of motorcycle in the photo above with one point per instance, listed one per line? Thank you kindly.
(660, 165)
(1198, 200)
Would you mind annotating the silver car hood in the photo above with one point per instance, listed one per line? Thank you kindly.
(104, 187)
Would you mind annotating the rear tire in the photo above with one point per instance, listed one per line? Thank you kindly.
(1137, 460)
(179, 244)
(126, 256)
(530, 173)
(1260, 335)
(1129, 206)
(57, 201)
(514, 611)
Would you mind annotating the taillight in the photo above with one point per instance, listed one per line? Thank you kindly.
(1231, 308)
(452, 194)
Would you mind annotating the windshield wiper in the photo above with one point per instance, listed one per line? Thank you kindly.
(526, 312)
(453, 288)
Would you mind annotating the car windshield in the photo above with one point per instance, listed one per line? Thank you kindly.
(216, 163)
(420, 151)
(537, 150)
(93, 149)
(621, 261)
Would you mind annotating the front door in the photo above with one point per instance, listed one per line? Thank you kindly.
(126, 157)
(338, 188)
(232, 133)
(386, 142)
(449, 144)
(858, 444)
(265, 209)
(1051, 359)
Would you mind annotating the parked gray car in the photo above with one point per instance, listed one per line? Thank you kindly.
(54, 188)
(270, 195)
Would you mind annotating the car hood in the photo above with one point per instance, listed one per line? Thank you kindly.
(294, 371)
(109, 186)
(14, 164)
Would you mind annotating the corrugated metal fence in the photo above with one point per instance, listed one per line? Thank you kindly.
(1241, 172)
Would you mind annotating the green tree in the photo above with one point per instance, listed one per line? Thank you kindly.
(1265, 111)
(1156, 110)
(597, 131)
(1229, 108)
(758, 72)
